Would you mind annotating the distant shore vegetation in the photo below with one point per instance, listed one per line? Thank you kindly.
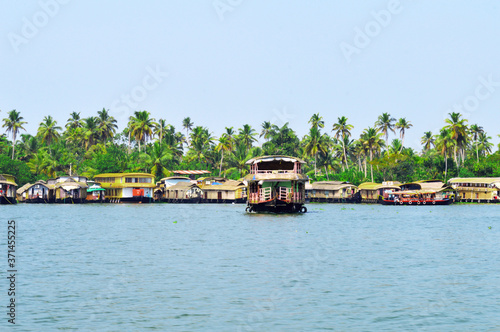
(94, 145)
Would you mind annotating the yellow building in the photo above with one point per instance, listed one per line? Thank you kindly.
(481, 190)
(127, 187)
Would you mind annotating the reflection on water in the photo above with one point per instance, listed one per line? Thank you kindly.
(215, 267)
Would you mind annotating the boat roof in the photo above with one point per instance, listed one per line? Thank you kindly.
(192, 172)
(175, 178)
(427, 184)
(257, 160)
(8, 179)
(375, 186)
(23, 188)
(474, 180)
(331, 185)
(181, 185)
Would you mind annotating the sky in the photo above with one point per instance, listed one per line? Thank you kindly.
(227, 63)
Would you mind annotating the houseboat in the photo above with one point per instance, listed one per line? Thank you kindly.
(222, 190)
(370, 192)
(41, 192)
(71, 189)
(330, 192)
(276, 184)
(478, 190)
(95, 192)
(426, 192)
(183, 192)
(22, 192)
(127, 187)
(8, 189)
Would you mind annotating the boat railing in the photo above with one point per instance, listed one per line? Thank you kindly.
(273, 171)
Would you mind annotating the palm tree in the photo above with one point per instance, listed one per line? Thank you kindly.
(160, 128)
(373, 141)
(106, 125)
(342, 131)
(13, 123)
(316, 143)
(385, 124)
(158, 159)
(428, 140)
(266, 130)
(316, 121)
(247, 136)
(142, 126)
(49, 131)
(476, 130)
(484, 144)
(225, 145)
(402, 125)
(74, 121)
(443, 142)
(188, 125)
(201, 141)
(90, 131)
(458, 130)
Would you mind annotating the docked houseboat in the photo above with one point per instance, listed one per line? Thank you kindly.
(478, 190)
(370, 192)
(95, 193)
(427, 192)
(127, 187)
(8, 188)
(41, 192)
(71, 189)
(331, 192)
(222, 190)
(276, 184)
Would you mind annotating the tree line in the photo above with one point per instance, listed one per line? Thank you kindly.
(93, 145)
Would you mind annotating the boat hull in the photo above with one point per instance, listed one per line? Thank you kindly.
(418, 203)
(277, 206)
(39, 200)
(7, 200)
(71, 200)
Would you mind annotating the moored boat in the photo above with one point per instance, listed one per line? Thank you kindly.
(417, 197)
(276, 184)
(8, 188)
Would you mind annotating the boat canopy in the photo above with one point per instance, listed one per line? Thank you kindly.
(274, 158)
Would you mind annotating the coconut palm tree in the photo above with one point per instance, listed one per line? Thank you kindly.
(188, 125)
(225, 145)
(385, 124)
(402, 125)
(247, 136)
(373, 142)
(316, 121)
(106, 125)
(158, 159)
(74, 121)
(13, 124)
(160, 129)
(443, 143)
(90, 131)
(316, 143)
(484, 144)
(342, 131)
(201, 141)
(142, 126)
(458, 130)
(428, 141)
(48, 131)
(476, 130)
(266, 130)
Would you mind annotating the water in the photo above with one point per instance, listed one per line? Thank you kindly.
(169, 267)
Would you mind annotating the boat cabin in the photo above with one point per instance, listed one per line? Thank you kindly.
(8, 189)
(480, 190)
(330, 191)
(127, 187)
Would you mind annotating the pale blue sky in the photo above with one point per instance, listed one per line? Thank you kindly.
(256, 61)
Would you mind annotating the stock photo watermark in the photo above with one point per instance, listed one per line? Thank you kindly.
(31, 26)
(364, 36)
(123, 106)
(225, 6)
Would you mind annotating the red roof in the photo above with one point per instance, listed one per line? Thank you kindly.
(192, 172)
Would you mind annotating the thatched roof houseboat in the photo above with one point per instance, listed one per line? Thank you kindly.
(370, 192)
(8, 188)
(71, 189)
(22, 192)
(41, 192)
(183, 192)
(330, 191)
(222, 190)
